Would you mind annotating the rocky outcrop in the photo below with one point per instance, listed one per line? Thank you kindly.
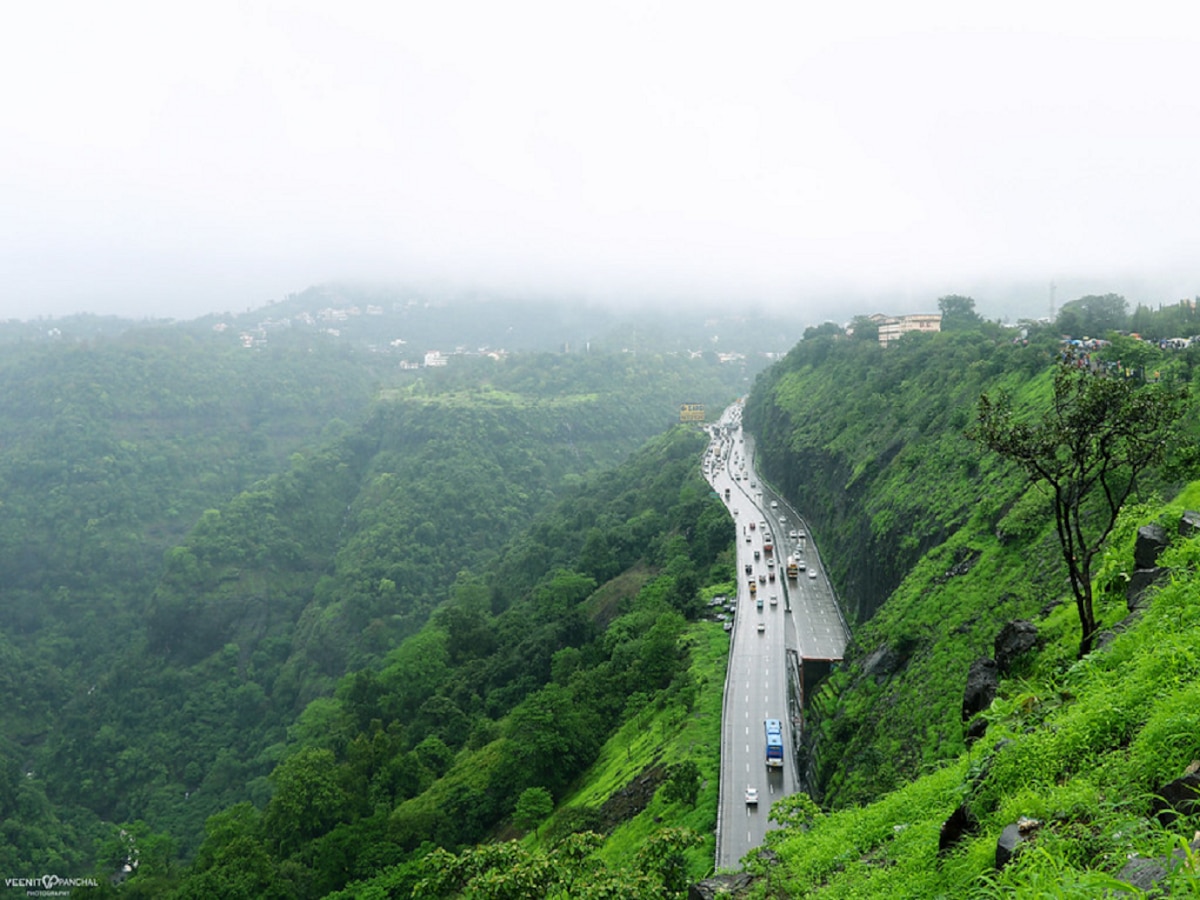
(1180, 797)
(982, 681)
(720, 886)
(1015, 638)
(959, 825)
(1151, 541)
(630, 800)
(1011, 839)
(1136, 591)
(1147, 874)
(1189, 523)
(881, 663)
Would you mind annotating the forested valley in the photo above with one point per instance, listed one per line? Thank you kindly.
(220, 559)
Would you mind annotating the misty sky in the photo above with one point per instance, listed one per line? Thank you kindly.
(175, 159)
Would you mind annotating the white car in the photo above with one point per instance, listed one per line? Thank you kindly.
(762, 626)
(751, 796)
(812, 573)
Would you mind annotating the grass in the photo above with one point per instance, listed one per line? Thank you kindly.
(665, 733)
(1080, 745)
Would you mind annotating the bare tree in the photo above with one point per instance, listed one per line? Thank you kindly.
(1098, 436)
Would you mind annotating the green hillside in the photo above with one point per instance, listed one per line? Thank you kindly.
(198, 539)
(934, 544)
(288, 620)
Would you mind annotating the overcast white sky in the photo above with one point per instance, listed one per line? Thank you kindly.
(173, 159)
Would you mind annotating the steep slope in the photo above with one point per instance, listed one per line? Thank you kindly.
(513, 685)
(1081, 753)
(319, 571)
(869, 445)
(932, 543)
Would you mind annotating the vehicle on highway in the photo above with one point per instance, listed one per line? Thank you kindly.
(812, 573)
(749, 568)
(762, 579)
(758, 603)
(757, 555)
(762, 626)
(774, 504)
(751, 796)
(774, 599)
(774, 744)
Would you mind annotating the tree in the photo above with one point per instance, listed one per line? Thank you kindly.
(532, 807)
(1093, 316)
(308, 800)
(825, 329)
(1089, 447)
(683, 785)
(864, 328)
(958, 312)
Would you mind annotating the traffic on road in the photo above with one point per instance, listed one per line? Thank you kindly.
(784, 609)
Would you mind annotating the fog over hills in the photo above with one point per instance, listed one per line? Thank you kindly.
(172, 163)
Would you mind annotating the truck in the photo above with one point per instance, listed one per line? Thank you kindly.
(793, 569)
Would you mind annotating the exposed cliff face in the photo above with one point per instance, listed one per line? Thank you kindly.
(866, 566)
(869, 446)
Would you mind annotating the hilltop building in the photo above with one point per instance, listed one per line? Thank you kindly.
(891, 327)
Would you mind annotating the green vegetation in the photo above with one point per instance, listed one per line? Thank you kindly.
(201, 540)
(500, 702)
(1098, 436)
(443, 630)
(1080, 746)
(872, 442)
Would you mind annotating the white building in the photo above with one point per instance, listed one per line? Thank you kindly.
(891, 327)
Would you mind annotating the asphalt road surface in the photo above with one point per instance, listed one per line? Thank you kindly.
(803, 617)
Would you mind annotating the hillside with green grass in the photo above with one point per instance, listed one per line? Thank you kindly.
(934, 545)
(1077, 752)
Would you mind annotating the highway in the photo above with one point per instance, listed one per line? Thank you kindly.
(800, 616)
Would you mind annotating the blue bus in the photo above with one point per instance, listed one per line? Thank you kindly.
(774, 730)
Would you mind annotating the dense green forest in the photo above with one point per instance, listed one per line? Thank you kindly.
(200, 538)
